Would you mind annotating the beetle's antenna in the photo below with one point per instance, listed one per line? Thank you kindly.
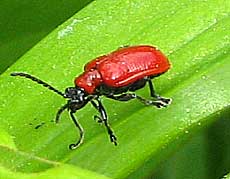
(25, 75)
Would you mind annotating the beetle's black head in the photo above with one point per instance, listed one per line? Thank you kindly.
(77, 97)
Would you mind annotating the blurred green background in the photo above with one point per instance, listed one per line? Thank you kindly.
(25, 23)
(204, 154)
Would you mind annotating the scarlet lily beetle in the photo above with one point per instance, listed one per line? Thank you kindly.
(116, 75)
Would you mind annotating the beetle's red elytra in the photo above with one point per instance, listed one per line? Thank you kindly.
(116, 75)
(122, 67)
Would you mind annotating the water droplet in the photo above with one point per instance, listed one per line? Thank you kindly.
(163, 146)
(204, 77)
(54, 66)
(214, 20)
(169, 78)
(213, 82)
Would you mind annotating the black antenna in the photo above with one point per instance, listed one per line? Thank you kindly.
(37, 81)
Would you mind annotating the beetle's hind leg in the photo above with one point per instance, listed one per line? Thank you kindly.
(130, 96)
(153, 94)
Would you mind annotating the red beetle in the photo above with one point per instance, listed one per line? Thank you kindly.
(116, 76)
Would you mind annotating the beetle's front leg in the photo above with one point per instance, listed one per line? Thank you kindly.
(81, 132)
(104, 119)
(63, 108)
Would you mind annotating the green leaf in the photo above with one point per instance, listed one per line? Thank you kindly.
(23, 24)
(227, 176)
(193, 35)
(205, 154)
(62, 171)
(6, 139)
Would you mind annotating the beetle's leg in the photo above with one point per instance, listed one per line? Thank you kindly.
(81, 131)
(98, 119)
(63, 108)
(104, 119)
(123, 97)
(154, 95)
(129, 96)
(95, 117)
(158, 104)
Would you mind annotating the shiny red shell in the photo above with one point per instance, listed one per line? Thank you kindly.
(122, 67)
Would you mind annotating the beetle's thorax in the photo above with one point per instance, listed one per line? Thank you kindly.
(89, 80)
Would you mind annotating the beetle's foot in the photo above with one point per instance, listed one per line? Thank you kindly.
(74, 146)
(98, 119)
(159, 104)
(165, 100)
(113, 139)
